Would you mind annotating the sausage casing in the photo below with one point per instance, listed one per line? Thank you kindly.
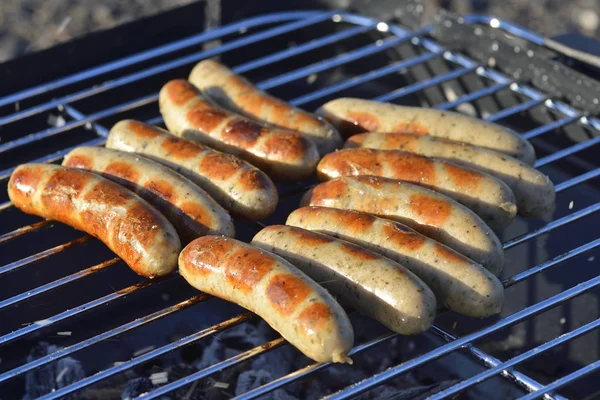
(293, 304)
(488, 197)
(235, 184)
(283, 154)
(236, 93)
(352, 116)
(424, 210)
(190, 209)
(126, 223)
(458, 283)
(368, 282)
(533, 191)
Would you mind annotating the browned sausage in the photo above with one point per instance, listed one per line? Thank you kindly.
(533, 190)
(352, 116)
(281, 153)
(424, 210)
(126, 223)
(489, 197)
(368, 282)
(235, 184)
(288, 300)
(232, 91)
(190, 209)
(458, 282)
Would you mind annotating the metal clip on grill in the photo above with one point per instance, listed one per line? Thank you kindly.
(428, 69)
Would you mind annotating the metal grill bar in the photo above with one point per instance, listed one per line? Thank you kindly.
(22, 230)
(43, 254)
(580, 373)
(466, 340)
(567, 152)
(57, 283)
(101, 337)
(148, 356)
(577, 180)
(518, 359)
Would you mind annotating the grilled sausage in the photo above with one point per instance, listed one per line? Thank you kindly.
(487, 196)
(235, 184)
(126, 223)
(424, 210)
(288, 300)
(281, 153)
(232, 91)
(373, 285)
(352, 116)
(533, 190)
(458, 283)
(190, 209)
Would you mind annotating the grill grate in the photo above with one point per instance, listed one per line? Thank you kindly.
(301, 44)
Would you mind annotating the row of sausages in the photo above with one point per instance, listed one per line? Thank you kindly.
(151, 192)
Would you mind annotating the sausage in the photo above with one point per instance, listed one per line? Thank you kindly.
(488, 197)
(126, 223)
(235, 184)
(303, 313)
(283, 154)
(352, 116)
(424, 210)
(458, 283)
(368, 282)
(232, 91)
(190, 209)
(533, 191)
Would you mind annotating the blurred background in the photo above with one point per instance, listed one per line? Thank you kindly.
(30, 25)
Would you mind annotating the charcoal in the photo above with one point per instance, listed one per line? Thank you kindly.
(251, 379)
(51, 376)
(137, 386)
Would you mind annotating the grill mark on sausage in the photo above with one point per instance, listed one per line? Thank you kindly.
(122, 170)
(463, 177)
(25, 181)
(208, 256)
(309, 238)
(286, 146)
(354, 221)
(245, 268)
(79, 161)
(411, 167)
(313, 317)
(197, 212)
(355, 162)
(242, 133)
(285, 293)
(358, 253)
(179, 148)
(400, 141)
(61, 188)
(142, 130)
(205, 117)
(431, 210)
(251, 179)
(219, 166)
(403, 237)
(446, 254)
(366, 121)
(323, 192)
(410, 127)
(180, 92)
(163, 188)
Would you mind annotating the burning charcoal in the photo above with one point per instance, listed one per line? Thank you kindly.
(51, 376)
(136, 387)
(230, 343)
(251, 379)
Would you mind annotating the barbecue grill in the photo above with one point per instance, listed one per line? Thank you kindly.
(75, 321)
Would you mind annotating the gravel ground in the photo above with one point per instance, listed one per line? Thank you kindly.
(30, 25)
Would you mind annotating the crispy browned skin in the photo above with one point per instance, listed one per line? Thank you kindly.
(353, 116)
(424, 210)
(235, 184)
(533, 191)
(368, 282)
(127, 224)
(190, 209)
(459, 283)
(489, 197)
(281, 153)
(232, 91)
(288, 300)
